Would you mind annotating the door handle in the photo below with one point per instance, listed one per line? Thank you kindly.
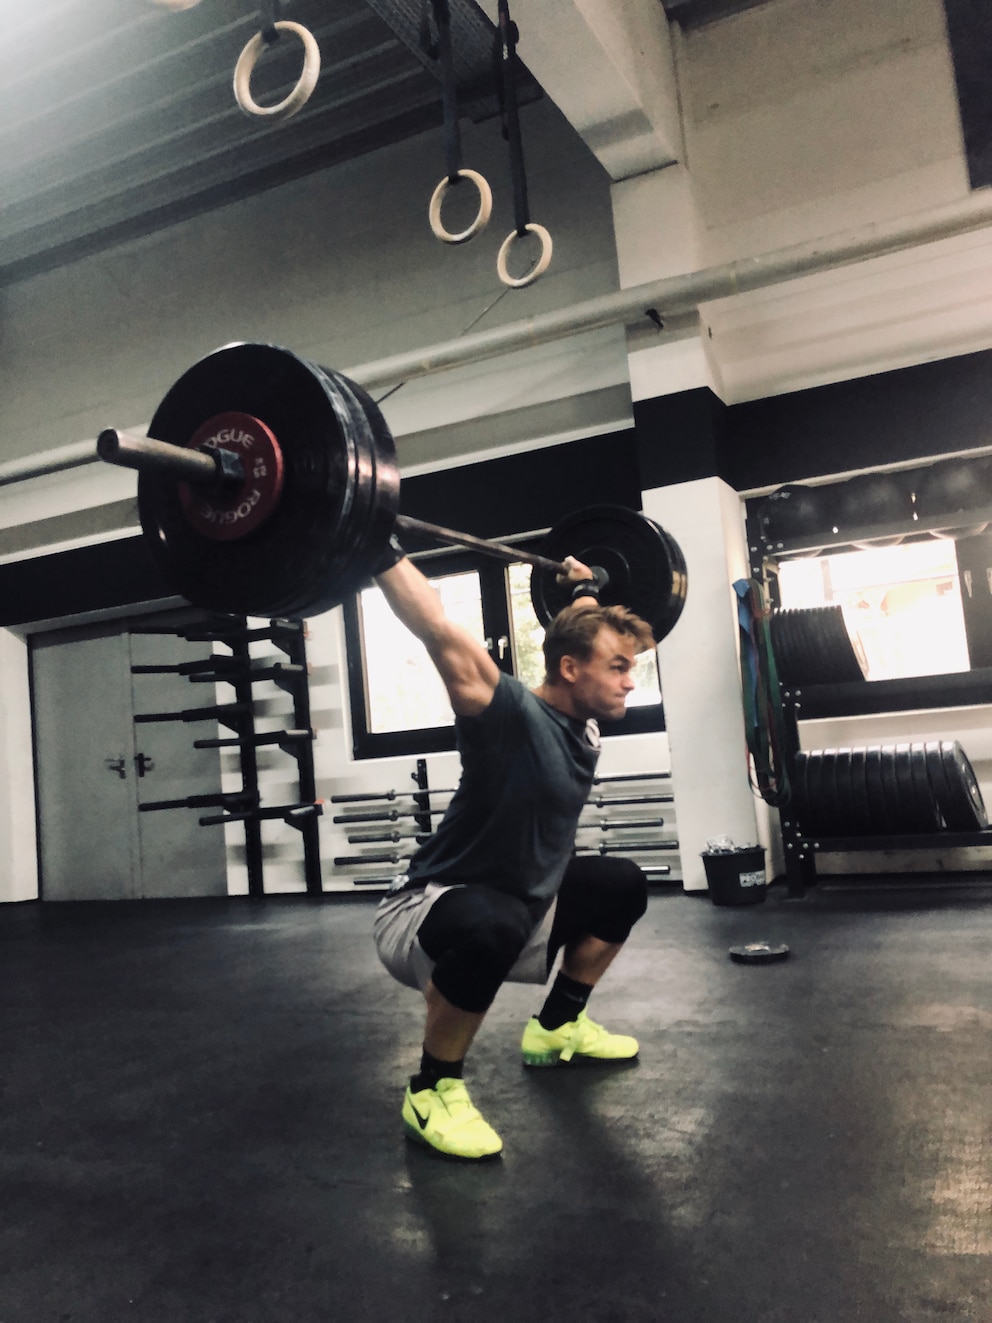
(116, 765)
(967, 581)
(143, 763)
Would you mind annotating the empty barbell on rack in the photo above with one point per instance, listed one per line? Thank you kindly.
(268, 486)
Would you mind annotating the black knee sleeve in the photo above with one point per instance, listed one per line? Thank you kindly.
(599, 897)
(474, 936)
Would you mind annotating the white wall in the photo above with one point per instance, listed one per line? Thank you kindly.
(805, 121)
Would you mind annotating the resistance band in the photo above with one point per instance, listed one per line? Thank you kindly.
(763, 720)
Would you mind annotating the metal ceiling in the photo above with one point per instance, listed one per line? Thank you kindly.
(117, 117)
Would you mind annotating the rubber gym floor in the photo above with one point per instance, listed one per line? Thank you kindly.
(200, 1122)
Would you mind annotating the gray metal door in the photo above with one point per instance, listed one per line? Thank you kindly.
(94, 767)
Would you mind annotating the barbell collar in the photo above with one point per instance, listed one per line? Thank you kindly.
(214, 469)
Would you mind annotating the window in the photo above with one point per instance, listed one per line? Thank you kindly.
(404, 691)
(398, 704)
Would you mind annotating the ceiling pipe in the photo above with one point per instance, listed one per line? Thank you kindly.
(50, 461)
(668, 297)
(682, 293)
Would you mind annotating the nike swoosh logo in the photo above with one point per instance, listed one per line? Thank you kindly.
(422, 1120)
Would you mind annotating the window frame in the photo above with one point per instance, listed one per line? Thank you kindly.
(496, 620)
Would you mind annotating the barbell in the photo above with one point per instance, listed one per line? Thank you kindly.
(268, 486)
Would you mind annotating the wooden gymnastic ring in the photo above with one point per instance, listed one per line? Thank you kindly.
(482, 217)
(300, 94)
(543, 262)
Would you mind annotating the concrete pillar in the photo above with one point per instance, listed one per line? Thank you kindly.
(18, 857)
(700, 674)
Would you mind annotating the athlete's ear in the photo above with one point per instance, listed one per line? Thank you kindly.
(568, 668)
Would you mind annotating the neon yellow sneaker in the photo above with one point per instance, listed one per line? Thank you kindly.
(445, 1118)
(580, 1037)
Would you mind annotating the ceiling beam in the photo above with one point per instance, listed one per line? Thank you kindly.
(608, 66)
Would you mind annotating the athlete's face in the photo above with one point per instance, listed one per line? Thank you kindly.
(601, 684)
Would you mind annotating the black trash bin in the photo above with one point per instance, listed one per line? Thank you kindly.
(736, 877)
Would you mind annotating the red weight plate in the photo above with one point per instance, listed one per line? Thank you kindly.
(227, 516)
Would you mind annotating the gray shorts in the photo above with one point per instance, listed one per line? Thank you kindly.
(397, 921)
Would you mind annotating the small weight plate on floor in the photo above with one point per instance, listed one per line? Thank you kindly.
(965, 808)
(927, 812)
(758, 953)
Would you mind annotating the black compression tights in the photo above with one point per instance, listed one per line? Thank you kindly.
(475, 935)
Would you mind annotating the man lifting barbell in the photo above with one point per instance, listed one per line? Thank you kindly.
(496, 893)
(269, 486)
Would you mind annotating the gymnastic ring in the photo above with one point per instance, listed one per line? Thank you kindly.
(482, 217)
(300, 94)
(543, 262)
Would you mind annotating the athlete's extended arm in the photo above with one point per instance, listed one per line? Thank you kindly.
(469, 673)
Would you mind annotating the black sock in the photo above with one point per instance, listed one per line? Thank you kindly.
(432, 1070)
(565, 1000)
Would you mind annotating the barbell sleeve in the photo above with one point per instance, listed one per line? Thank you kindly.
(147, 455)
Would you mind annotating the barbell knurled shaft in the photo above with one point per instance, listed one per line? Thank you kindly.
(501, 550)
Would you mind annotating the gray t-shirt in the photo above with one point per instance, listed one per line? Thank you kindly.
(526, 773)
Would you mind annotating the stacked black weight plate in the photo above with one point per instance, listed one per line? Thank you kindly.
(886, 790)
(813, 646)
(955, 786)
(646, 568)
(340, 489)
